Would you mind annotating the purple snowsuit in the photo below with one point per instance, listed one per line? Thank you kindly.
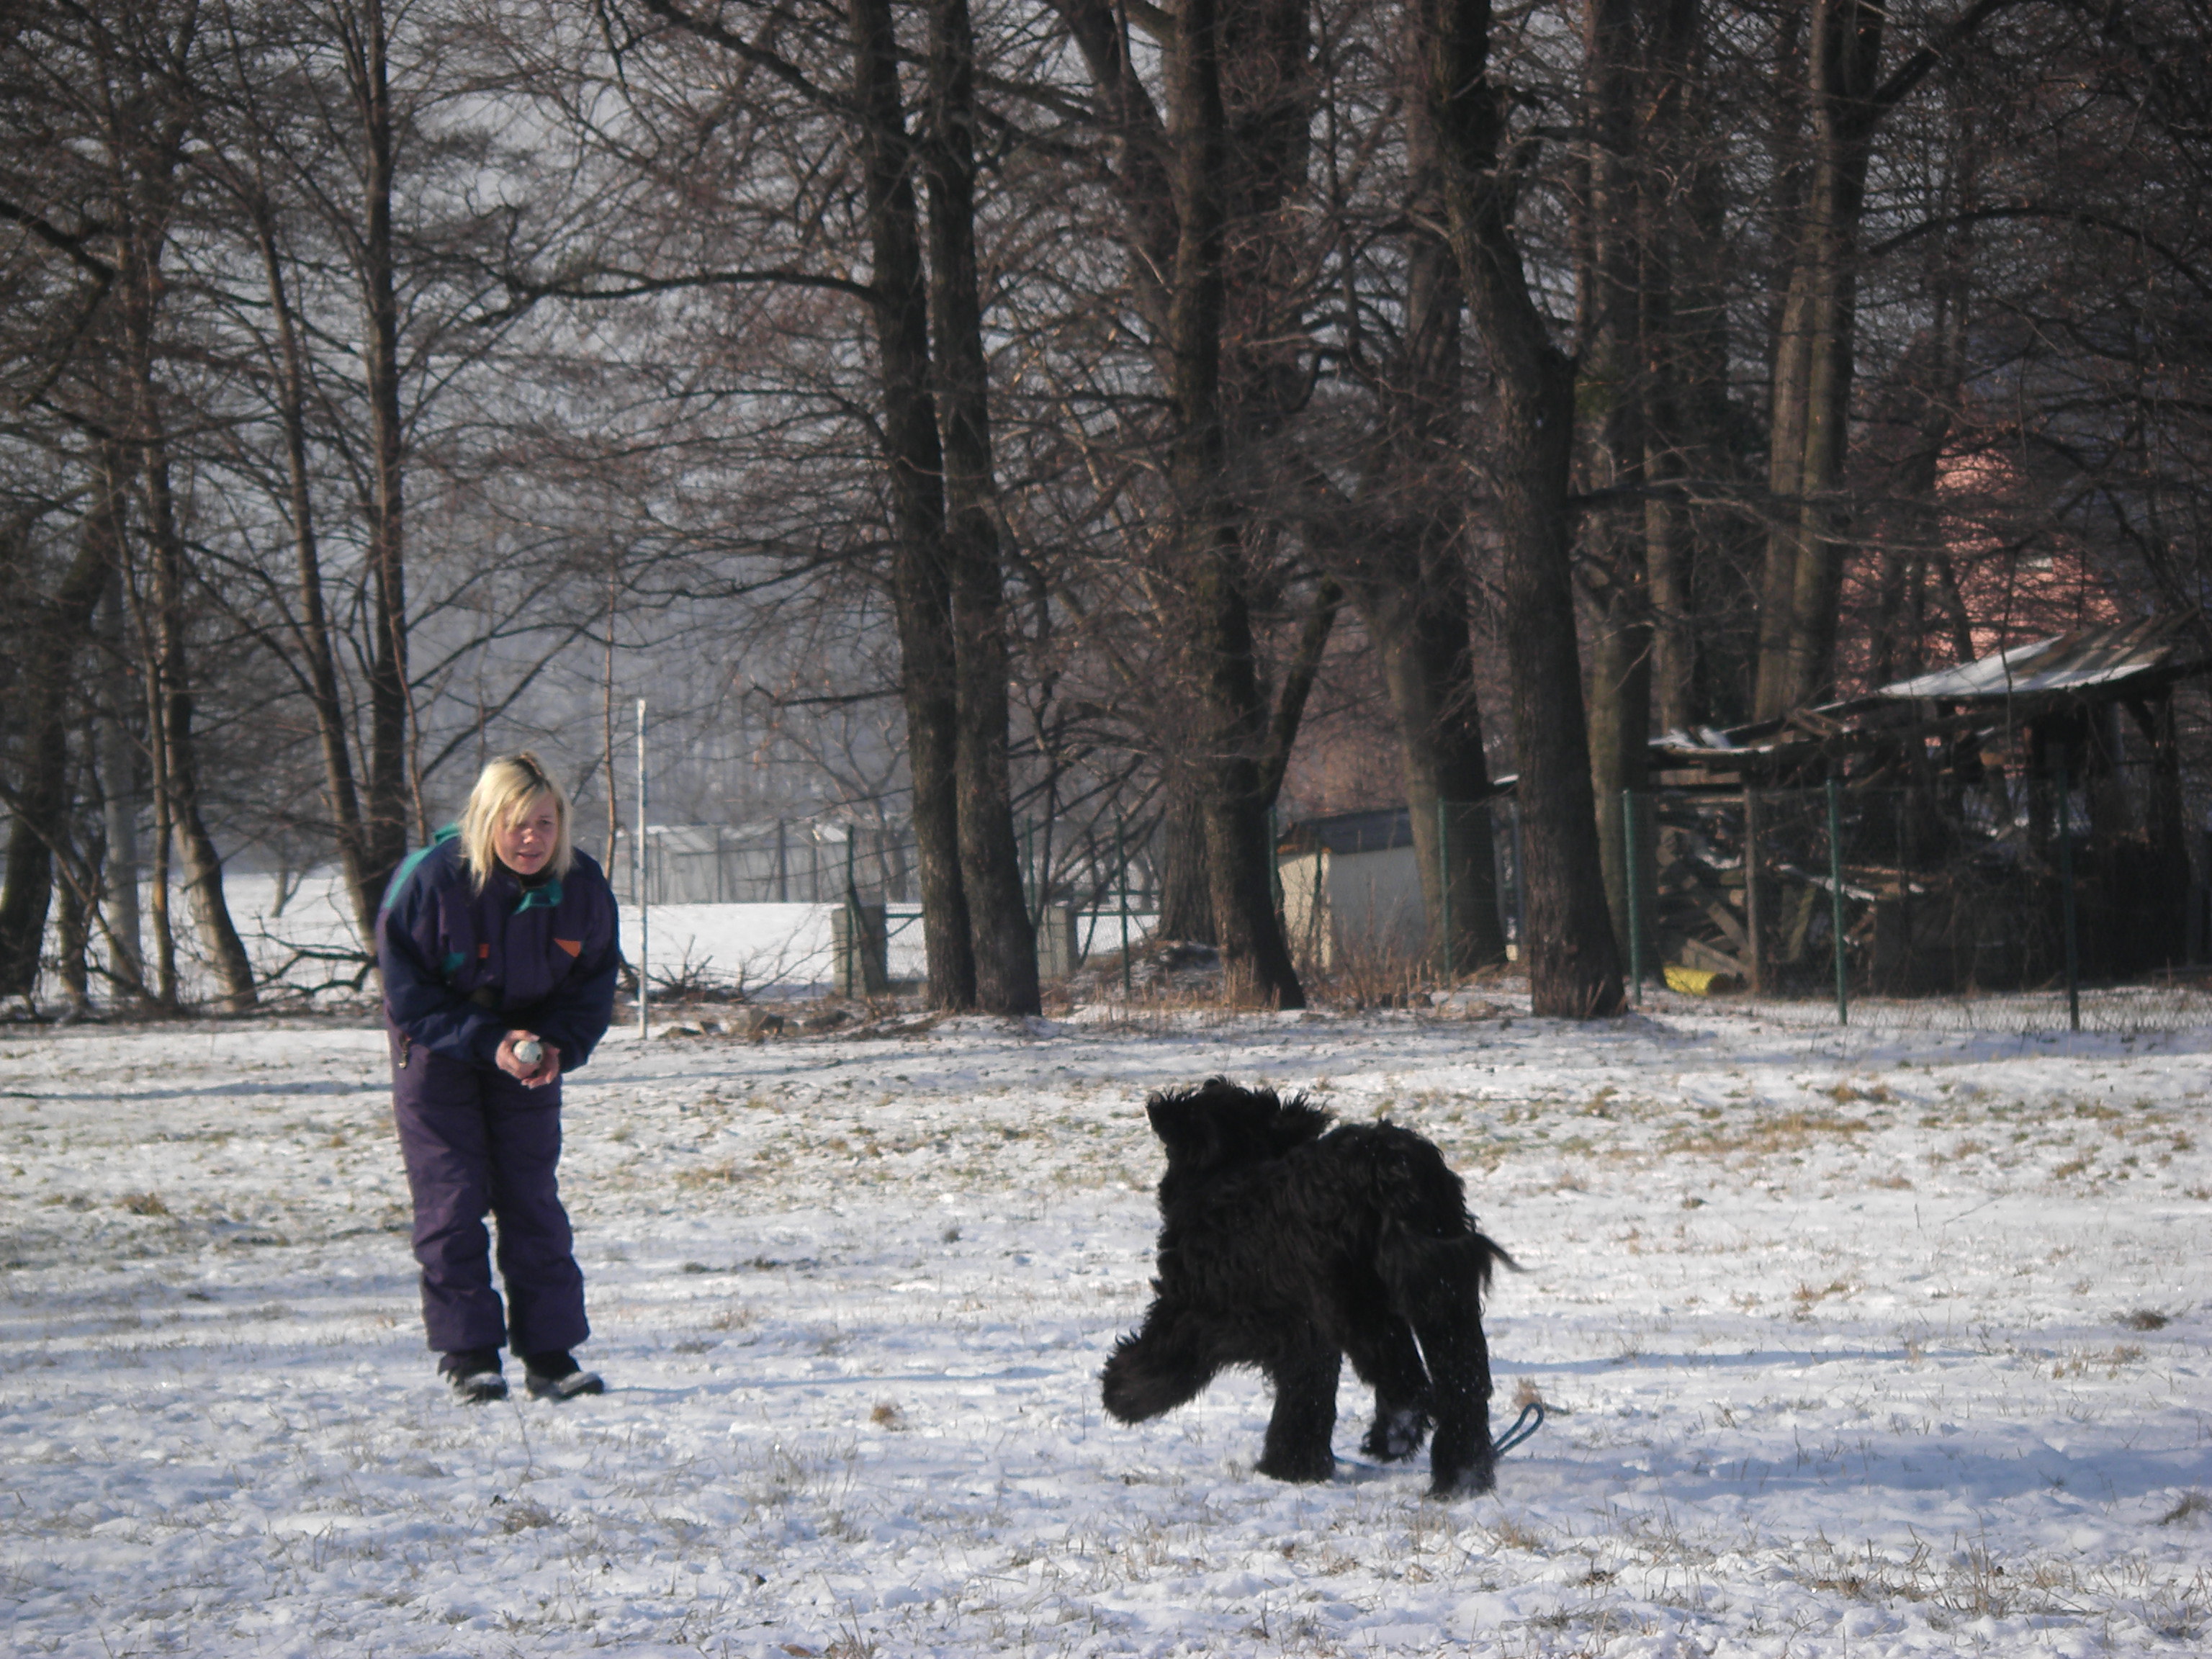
(461, 969)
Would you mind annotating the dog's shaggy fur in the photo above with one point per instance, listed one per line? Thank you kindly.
(1285, 1244)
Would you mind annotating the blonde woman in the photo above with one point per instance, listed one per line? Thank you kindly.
(498, 943)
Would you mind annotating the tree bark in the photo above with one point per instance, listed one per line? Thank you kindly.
(1186, 893)
(40, 800)
(364, 886)
(1809, 434)
(121, 787)
(1573, 970)
(386, 816)
(1402, 561)
(1004, 942)
(1611, 393)
(922, 581)
(196, 847)
(1206, 540)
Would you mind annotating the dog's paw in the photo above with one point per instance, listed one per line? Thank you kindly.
(1470, 1481)
(1396, 1433)
(1303, 1466)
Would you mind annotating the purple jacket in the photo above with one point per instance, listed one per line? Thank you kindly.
(462, 968)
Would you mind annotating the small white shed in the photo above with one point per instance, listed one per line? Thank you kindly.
(1351, 889)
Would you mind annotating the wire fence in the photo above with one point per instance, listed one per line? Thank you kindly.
(2007, 901)
(799, 861)
(2004, 901)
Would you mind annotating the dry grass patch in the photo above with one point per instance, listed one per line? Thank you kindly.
(1788, 1131)
(724, 1174)
(2111, 1361)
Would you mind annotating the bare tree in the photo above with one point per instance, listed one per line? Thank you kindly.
(1572, 967)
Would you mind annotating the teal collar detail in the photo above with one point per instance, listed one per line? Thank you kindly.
(406, 869)
(544, 897)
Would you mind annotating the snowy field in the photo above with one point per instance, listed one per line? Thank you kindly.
(1856, 1346)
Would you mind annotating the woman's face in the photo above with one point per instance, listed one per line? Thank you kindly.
(527, 841)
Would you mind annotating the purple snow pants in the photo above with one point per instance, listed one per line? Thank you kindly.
(477, 1142)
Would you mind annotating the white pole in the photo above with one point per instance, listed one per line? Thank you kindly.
(638, 871)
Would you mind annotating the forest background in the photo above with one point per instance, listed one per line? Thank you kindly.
(1078, 411)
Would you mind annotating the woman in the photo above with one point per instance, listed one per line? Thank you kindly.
(498, 949)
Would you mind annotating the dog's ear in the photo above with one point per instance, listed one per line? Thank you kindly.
(1180, 1117)
(1297, 1120)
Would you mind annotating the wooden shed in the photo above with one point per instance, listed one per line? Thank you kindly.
(1351, 888)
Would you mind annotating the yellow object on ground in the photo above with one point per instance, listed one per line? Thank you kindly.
(1700, 981)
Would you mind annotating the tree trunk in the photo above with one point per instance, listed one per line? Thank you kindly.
(1186, 889)
(386, 816)
(922, 582)
(1402, 561)
(1808, 435)
(1427, 660)
(40, 800)
(169, 690)
(312, 632)
(1612, 390)
(1666, 169)
(196, 847)
(1207, 552)
(72, 933)
(119, 785)
(1573, 970)
(159, 887)
(1005, 944)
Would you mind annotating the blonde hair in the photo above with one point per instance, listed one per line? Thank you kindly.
(507, 788)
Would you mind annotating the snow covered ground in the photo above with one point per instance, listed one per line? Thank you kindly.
(1856, 1346)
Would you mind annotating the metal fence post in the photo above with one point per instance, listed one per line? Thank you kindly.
(1520, 891)
(639, 863)
(1444, 888)
(1754, 922)
(1033, 900)
(1274, 868)
(1836, 898)
(1635, 902)
(1122, 858)
(2066, 901)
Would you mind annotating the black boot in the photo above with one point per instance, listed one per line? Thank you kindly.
(473, 1374)
(557, 1375)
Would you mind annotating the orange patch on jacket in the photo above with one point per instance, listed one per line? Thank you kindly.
(574, 947)
(483, 950)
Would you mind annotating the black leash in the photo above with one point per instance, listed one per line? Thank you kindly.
(1530, 1421)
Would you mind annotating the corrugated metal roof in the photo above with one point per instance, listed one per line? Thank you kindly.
(2085, 660)
(1376, 831)
(2091, 664)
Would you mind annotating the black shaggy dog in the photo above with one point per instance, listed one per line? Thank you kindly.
(1286, 1248)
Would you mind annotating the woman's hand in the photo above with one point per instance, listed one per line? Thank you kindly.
(531, 1076)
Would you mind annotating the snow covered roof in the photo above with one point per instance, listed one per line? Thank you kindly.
(2089, 664)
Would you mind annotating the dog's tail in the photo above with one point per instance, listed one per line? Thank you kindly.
(1430, 1252)
(1431, 1278)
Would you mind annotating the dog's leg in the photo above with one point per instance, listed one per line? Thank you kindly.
(1460, 1462)
(1299, 1433)
(1437, 1284)
(1159, 1367)
(1382, 1351)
